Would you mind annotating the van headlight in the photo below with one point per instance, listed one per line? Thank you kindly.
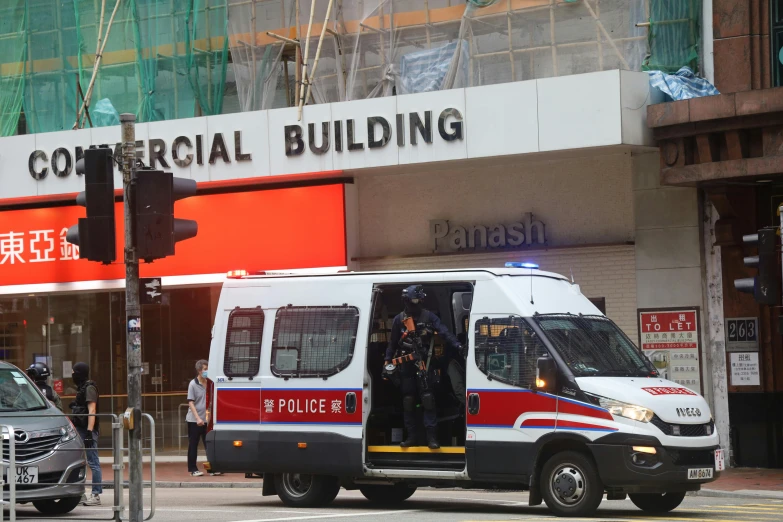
(623, 409)
(68, 432)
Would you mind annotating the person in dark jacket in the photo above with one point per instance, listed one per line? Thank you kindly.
(411, 340)
(39, 373)
(86, 402)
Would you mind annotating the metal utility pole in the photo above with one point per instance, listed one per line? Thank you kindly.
(132, 317)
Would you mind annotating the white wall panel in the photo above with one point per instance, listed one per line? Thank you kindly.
(498, 129)
(15, 178)
(439, 149)
(253, 128)
(306, 161)
(359, 111)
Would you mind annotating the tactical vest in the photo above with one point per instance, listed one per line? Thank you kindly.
(79, 406)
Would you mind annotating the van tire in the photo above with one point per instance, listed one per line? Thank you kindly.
(576, 474)
(305, 490)
(657, 502)
(388, 495)
(58, 506)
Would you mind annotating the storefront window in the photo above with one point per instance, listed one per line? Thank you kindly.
(63, 329)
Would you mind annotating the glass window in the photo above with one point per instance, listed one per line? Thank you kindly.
(507, 350)
(17, 393)
(593, 345)
(243, 342)
(315, 341)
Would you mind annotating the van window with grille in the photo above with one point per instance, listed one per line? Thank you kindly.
(243, 342)
(507, 350)
(313, 341)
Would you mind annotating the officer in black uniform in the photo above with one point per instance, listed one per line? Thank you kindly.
(39, 373)
(415, 347)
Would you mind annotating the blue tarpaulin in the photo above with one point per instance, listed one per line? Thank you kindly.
(682, 85)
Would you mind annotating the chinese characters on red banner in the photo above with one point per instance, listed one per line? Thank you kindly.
(671, 341)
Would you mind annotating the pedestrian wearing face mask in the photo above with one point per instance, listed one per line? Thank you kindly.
(198, 415)
(86, 402)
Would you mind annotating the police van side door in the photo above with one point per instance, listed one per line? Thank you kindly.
(506, 415)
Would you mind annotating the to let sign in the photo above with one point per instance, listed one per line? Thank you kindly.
(745, 369)
(670, 339)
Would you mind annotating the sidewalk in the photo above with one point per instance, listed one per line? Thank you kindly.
(747, 483)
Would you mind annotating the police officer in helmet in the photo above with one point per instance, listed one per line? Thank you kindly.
(410, 347)
(39, 373)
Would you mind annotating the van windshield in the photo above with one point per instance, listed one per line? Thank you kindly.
(17, 393)
(594, 346)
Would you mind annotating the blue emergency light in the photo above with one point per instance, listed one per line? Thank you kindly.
(513, 264)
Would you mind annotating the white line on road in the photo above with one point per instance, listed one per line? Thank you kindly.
(335, 515)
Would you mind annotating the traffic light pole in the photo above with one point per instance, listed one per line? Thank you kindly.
(132, 316)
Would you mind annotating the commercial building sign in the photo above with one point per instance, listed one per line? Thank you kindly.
(745, 369)
(670, 339)
(446, 236)
(247, 230)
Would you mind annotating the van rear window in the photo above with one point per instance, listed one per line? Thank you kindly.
(243, 342)
(313, 341)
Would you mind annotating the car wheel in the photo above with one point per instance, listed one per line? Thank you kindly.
(59, 506)
(570, 485)
(388, 495)
(657, 502)
(305, 490)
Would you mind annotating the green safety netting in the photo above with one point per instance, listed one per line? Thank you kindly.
(13, 23)
(674, 35)
(163, 59)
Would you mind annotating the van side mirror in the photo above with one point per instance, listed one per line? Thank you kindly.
(546, 374)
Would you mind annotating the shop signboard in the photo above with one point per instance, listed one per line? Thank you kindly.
(745, 370)
(290, 228)
(670, 339)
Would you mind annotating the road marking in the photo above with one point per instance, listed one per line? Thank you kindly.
(335, 515)
(745, 506)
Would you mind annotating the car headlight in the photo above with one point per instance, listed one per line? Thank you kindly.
(623, 409)
(68, 432)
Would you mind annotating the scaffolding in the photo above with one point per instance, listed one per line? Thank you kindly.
(384, 47)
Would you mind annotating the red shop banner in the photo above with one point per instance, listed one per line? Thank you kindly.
(261, 230)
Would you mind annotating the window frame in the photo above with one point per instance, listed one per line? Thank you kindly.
(482, 366)
(309, 374)
(243, 312)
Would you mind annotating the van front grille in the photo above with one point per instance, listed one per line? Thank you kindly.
(33, 449)
(685, 430)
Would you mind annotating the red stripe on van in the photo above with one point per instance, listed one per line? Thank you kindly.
(502, 408)
(238, 405)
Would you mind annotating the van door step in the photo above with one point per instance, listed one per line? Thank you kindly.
(416, 457)
(416, 449)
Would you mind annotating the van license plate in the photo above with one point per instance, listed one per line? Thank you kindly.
(27, 474)
(700, 473)
(720, 464)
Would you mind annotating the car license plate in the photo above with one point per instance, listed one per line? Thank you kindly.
(720, 465)
(27, 475)
(699, 473)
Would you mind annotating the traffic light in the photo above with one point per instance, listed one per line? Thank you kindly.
(94, 234)
(157, 230)
(765, 287)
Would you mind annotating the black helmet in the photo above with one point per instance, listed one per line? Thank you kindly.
(38, 371)
(413, 294)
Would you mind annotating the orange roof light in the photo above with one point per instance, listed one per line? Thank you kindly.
(237, 443)
(236, 274)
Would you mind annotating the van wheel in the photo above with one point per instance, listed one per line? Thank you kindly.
(58, 506)
(657, 502)
(570, 485)
(388, 495)
(305, 490)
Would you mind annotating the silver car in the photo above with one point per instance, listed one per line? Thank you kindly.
(50, 460)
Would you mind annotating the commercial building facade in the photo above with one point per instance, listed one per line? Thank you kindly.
(525, 161)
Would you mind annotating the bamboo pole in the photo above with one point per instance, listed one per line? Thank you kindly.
(606, 34)
(318, 51)
(96, 67)
(304, 62)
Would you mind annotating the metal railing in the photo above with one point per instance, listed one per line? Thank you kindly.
(5, 471)
(118, 451)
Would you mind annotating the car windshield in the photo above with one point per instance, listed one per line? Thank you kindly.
(17, 393)
(594, 346)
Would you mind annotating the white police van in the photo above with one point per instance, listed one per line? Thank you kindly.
(559, 401)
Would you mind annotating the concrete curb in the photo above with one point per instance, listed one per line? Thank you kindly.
(745, 494)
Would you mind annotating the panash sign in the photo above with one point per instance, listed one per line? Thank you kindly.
(445, 236)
